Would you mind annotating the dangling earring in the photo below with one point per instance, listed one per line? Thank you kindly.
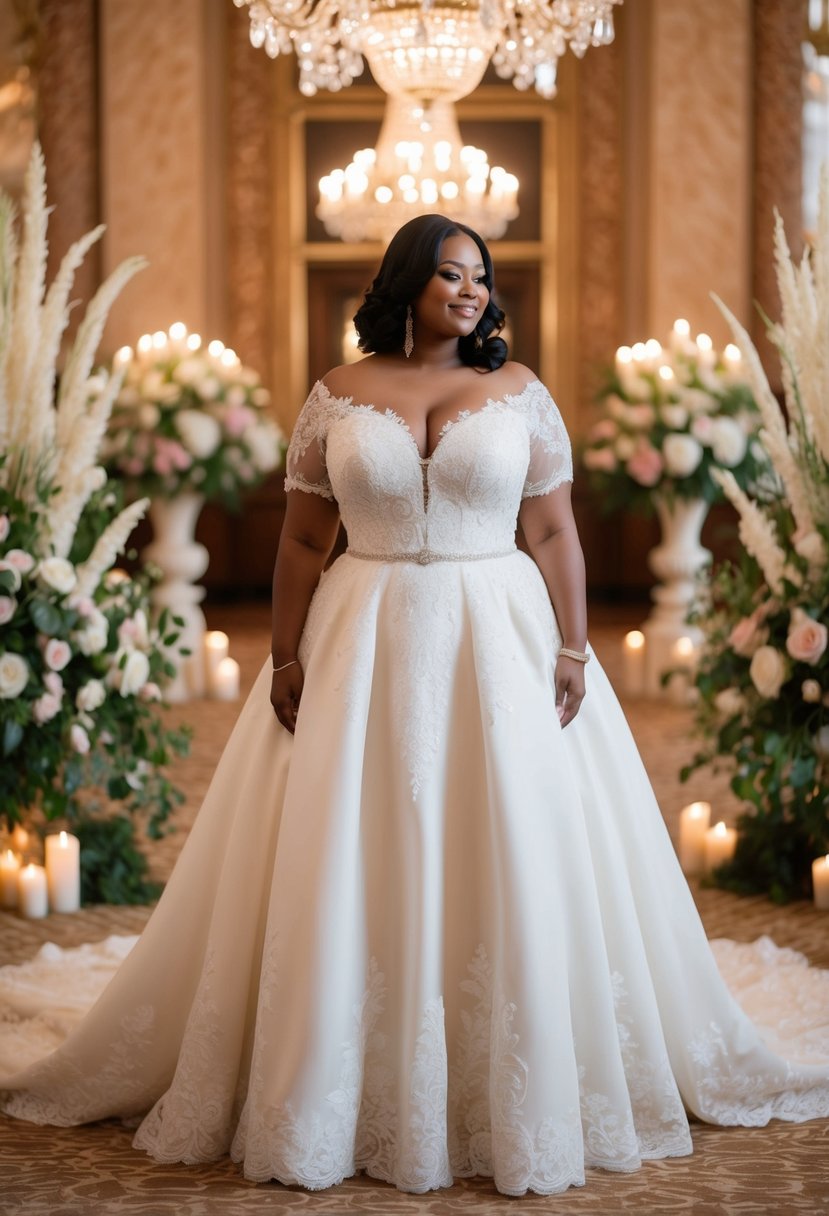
(408, 343)
(479, 342)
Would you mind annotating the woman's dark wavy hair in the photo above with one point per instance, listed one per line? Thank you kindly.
(408, 264)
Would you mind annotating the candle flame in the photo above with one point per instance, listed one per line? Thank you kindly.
(720, 829)
(635, 639)
(698, 810)
(64, 840)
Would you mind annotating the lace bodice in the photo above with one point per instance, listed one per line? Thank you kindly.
(461, 501)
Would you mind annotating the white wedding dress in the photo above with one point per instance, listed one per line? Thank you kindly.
(432, 935)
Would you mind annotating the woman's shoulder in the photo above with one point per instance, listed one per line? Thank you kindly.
(512, 377)
(351, 379)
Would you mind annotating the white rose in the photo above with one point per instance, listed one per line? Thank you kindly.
(14, 676)
(56, 654)
(200, 433)
(728, 442)
(208, 388)
(91, 696)
(768, 671)
(263, 442)
(698, 402)
(79, 739)
(675, 416)
(16, 580)
(189, 371)
(134, 673)
(8, 607)
(57, 573)
(682, 455)
(92, 639)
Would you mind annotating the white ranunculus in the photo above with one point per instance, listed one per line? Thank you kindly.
(682, 455)
(57, 573)
(14, 676)
(674, 416)
(90, 696)
(728, 442)
(134, 674)
(768, 671)
(200, 433)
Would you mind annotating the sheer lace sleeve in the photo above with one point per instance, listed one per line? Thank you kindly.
(305, 463)
(551, 459)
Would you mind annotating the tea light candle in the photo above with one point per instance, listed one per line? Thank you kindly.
(216, 648)
(32, 898)
(9, 874)
(226, 681)
(633, 658)
(63, 872)
(720, 843)
(694, 820)
(820, 882)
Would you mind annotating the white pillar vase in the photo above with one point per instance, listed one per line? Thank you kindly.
(676, 562)
(182, 560)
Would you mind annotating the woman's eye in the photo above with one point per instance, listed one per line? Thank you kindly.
(447, 274)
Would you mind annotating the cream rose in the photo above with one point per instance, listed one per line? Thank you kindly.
(14, 676)
(57, 573)
(811, 691)
(90, 696)
(729, 702)
(682, 455)
(79, 739)
(134, 673)
(807, 638)
(92, 639)
(728, 442)
(200, 433)
(56, 654)
(21, 560)
(674, 416)
(768, 671)
(45, 708)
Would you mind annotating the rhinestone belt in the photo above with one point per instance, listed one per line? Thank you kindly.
(424, 557)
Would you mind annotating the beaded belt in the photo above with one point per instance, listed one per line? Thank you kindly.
(424, 557)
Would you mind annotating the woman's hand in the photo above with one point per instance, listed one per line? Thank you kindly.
(569, 688)
(286, 690)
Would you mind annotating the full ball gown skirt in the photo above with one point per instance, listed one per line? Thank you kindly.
(432, 935)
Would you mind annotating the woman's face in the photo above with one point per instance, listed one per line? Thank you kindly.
(453, 301)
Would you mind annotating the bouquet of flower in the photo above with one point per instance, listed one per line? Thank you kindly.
(672, 416)
(764, 672)
(80, 666)
(189, 418)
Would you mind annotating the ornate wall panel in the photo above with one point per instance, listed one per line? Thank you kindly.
(251, 78)
(68, 131)
(155, 74)
(700, 161)
(778, 168)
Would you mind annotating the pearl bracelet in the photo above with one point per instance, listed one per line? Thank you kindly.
(580, 656)
(284, 665)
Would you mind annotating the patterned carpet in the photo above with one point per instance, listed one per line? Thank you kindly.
(734, 1172)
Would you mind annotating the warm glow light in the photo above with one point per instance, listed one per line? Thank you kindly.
(732, 353)
(653, 349)
(229, 357)
(193, 341)
(159, 339)
(624, 354)
(720, 829)
(178, 331)
(638, 351)
(215, 348)
(145, 343)
(681, 327)
(666, 373)
(123, 355)
(698, 810)
(684, 647)
(635, 640)
(704, 342)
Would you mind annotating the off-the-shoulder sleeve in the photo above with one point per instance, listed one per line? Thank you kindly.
(551, 458)
(305, 463)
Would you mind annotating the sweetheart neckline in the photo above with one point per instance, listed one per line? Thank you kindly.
(450, 424)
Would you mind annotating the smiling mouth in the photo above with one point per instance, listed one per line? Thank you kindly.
(466, 310)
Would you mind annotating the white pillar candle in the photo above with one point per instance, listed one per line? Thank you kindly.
(720, 843)
(694, 821)
(9, 874)
(633, 658)
(216, 646)
(63, 872)
(820, 882)
(226, 683)
(32, 898)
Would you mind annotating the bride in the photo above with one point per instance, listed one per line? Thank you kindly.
(429, 923)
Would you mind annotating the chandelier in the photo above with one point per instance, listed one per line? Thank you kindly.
(419, 165)
(425, 55)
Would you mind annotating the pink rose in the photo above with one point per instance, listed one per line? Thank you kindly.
(21, 560)
(604, 429)
(603, 459)
(8, 607)
(645, 465)
(45, 708)
(806, 639)
(79, 739)
(169, 456)
(237, 420)
(54, 684)
(56, 654)
(747, 636)
(149, 692)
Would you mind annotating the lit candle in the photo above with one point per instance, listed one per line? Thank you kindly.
(693, 824)
(683, 660)
(63, 872)
(20, 839)
(216, 645)
(720, 843)
(633, 655)
(9, 874)
(820, 882)
(226, 681)
(32, 898)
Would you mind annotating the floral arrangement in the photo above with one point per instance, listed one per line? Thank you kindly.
(671, 417)
(81, 668)
(763, 675)
(188, 418)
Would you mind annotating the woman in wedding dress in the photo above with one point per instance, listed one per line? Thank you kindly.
(428, 923)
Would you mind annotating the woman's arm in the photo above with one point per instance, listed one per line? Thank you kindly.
(551, 536)
(308, 536)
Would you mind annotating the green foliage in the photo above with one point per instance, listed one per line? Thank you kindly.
(113, 871)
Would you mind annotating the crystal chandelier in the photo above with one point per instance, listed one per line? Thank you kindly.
(428, 48)
(419, 165)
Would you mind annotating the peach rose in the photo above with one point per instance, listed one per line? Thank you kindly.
(806, 639)
(747, 636)
(768, 671)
